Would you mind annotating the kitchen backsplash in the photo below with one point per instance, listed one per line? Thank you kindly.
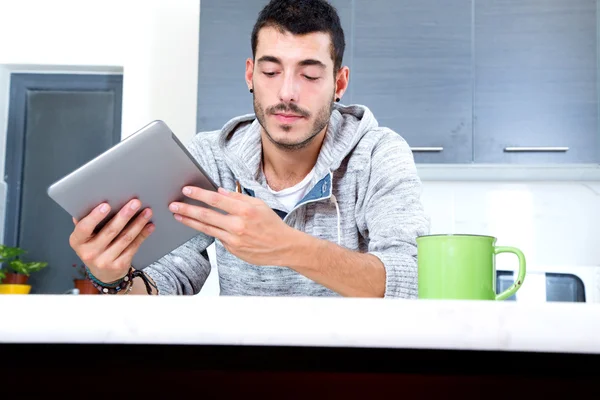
(553, 223)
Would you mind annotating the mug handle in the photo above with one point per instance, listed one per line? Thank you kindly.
(520, 278)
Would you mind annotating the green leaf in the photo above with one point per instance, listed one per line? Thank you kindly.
(26, 268)
(8, 253)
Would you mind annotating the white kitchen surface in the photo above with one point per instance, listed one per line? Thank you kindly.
(346, 322)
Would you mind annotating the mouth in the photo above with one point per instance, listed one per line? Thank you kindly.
(287, 118)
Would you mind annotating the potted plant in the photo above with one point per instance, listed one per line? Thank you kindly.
(7, 253)
(14, 278)
(82, 283)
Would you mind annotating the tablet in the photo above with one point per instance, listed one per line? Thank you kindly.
(151, 165)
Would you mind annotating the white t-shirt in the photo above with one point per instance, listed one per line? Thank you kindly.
(289, 197)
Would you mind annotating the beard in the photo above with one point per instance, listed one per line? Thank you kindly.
(320, 122)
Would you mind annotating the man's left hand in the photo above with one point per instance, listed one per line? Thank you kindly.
(251, 231)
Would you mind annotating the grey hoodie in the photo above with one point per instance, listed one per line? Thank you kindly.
(365, 196)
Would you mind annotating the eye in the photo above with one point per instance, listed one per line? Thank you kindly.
(270, 74)
(311, 78)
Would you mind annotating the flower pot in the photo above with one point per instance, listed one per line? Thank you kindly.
(85, 286)
(11, 288)
(13, 278)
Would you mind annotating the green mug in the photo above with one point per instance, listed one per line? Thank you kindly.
(462, 267)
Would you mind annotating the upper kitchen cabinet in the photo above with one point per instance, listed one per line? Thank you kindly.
(224, 45)
(535, 81)
(413, 68)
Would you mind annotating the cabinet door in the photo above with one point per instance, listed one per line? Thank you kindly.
(412, 68)
(535, 81)
(224, 45)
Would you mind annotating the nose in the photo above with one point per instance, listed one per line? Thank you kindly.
(289, 89)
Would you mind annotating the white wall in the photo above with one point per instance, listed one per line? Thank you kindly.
(156, 44)
(4, 91)
(556, 224)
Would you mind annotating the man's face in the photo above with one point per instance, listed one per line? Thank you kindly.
(294, 86)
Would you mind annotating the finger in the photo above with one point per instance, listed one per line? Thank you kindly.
(127, 255)
(74, 221)
(239, 196)
(114, 227)
(85, 228)
(209, 230)
(229, 223)
(215, 199)
(129, 235)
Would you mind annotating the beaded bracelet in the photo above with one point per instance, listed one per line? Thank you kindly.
(124, 283)
(129, 287)
(113, 284)
(111, 287)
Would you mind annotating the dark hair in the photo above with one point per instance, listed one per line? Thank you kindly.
(300, 17)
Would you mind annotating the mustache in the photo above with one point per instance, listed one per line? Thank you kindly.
(291, 108)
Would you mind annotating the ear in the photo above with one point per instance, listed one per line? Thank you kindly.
(249, 73)
(341, 81)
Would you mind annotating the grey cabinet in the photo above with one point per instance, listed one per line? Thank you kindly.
(535, 81)
(463, 81)
(224, 46)
(56, 123)
(412, 68)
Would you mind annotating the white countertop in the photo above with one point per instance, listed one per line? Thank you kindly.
(340, 322)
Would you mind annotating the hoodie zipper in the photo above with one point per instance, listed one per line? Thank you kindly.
(328, 196)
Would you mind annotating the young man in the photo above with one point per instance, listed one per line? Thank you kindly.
(329, 202)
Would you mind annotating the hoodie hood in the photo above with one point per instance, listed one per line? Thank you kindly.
(240, 142)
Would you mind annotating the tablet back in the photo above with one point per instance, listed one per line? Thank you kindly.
(151, 165)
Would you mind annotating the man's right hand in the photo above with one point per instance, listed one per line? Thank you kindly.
(109, 252)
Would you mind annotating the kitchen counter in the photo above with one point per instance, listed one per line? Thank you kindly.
(323, 322)
(239, 347)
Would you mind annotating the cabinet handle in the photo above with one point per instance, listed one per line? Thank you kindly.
(427, 149)
(536, 149)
